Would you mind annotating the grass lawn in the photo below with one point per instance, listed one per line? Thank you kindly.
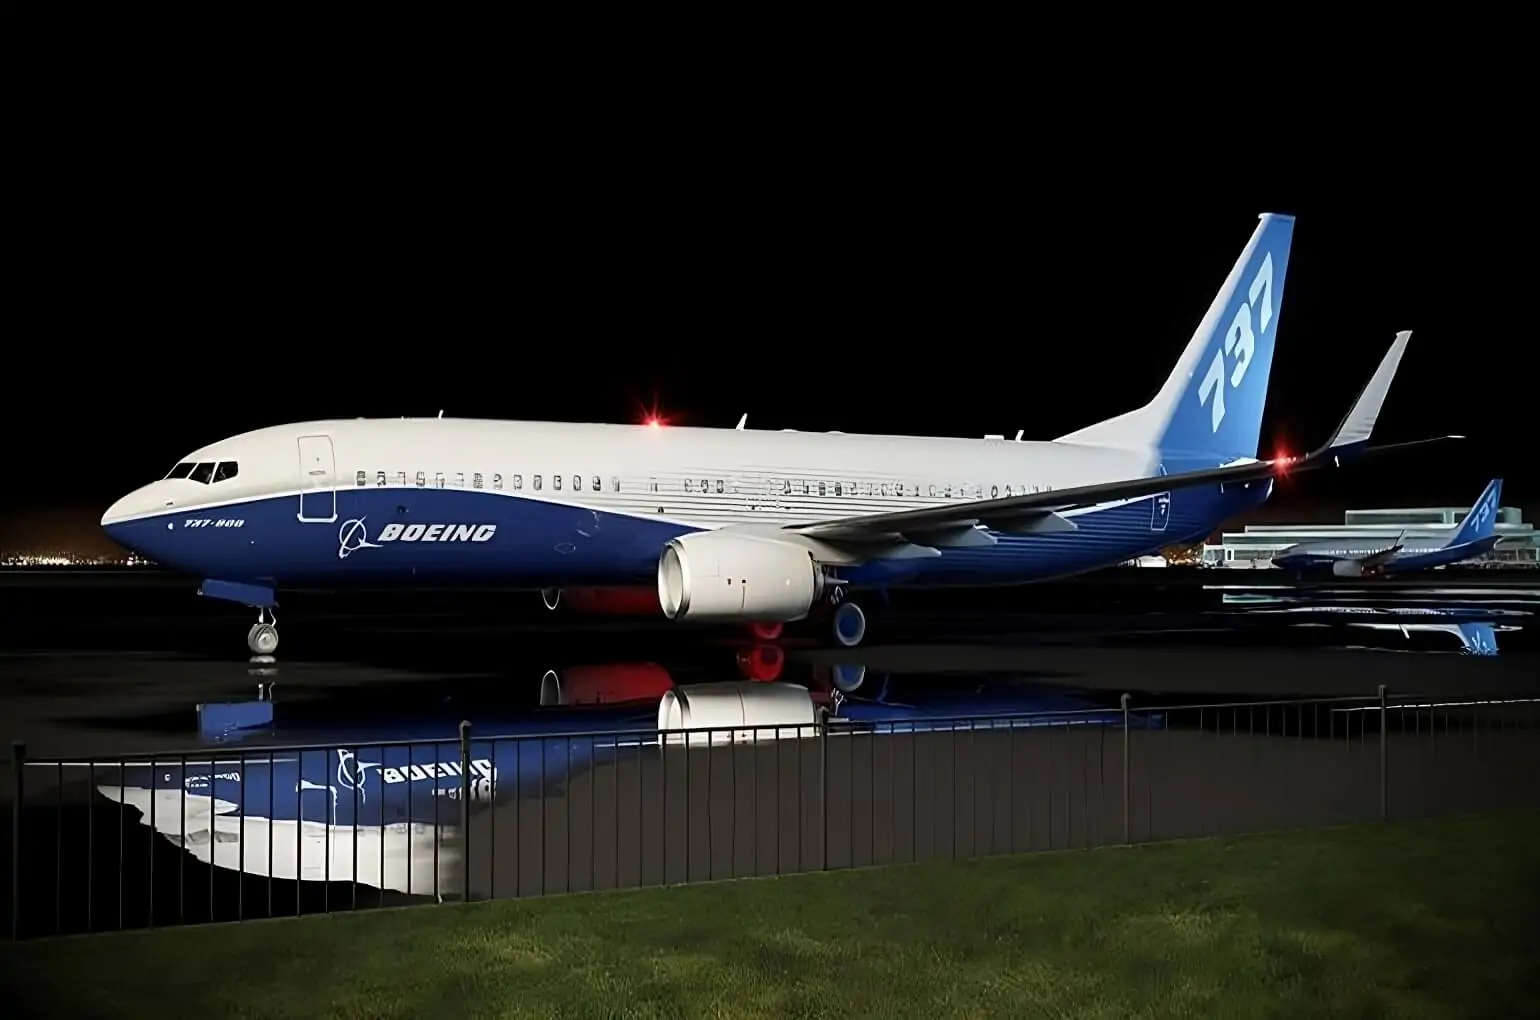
(1432, 919)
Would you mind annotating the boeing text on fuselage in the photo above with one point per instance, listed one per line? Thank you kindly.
(354, 534)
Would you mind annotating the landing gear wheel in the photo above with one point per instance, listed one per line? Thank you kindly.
(847, 625)
(262, 638)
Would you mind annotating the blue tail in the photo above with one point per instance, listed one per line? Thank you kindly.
(1478, 638)
(1481, 522)
(1209, 411)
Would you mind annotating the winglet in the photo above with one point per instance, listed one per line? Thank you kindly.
(742, 421)
(1359, 423)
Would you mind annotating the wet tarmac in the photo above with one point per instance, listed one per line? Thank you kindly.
(1241, 732)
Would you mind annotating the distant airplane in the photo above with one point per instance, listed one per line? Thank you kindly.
(739, 526)
(1368, 557)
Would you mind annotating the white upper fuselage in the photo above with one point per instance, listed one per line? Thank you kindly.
(700, 478)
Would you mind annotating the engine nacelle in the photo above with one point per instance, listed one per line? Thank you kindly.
(739, 711)
(1347, 568)
(616, 683)
(713, 575)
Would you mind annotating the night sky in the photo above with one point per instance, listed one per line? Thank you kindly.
(191, 282)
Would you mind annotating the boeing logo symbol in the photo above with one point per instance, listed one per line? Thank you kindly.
(351, 772)
(354, 535)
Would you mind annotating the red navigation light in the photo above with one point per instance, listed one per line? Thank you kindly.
(654, 422)
(1283, 460)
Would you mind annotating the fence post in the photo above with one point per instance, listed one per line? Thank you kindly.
(1385, 808)
(465, 810)
(18, 791)
(1126, 770)
(823, 786)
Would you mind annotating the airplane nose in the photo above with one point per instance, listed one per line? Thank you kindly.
(117, 511)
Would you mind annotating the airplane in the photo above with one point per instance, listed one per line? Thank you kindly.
(1371, 557)
(377, 804)
(738, 526)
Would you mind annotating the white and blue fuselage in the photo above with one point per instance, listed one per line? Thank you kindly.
(537, 504)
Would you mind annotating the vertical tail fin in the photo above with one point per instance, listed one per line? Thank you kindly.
(1481, 522)
(1211, 404)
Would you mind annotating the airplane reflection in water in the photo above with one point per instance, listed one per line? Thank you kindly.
(382, 804)
(1475, 627)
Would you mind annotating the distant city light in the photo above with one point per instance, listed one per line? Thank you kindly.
(35, 560)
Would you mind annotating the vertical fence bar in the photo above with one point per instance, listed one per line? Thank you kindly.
(823, 787)
(18, 791)
(1383, 757)
(1127, 771)
(465, 810)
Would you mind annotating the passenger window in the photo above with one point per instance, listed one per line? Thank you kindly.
(822, 490)
(689, 486)
(577, 483)
(361, 479)
(653, 483)
(181, 470)
(615, 483)
(705, 485)
(497, 481)
(839, 488)
(227, 469)
(884, 488)
(719, 485)
(476, 480)
(401, 478)
(597, 487)
(380, 479)
(459, 479)
(556, 482)
(994, 491)
(537, 483)
(202, 473)
(422, 479)
(786, 487)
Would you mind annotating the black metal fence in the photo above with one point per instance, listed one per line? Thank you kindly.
(143, 841)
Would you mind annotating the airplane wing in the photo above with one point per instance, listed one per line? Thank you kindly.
(1039, 512)
(1375, 559)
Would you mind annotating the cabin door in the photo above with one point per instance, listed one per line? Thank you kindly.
(317, 480)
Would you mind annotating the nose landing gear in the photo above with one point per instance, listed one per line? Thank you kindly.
(262, 638)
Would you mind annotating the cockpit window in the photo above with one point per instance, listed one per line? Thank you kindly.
(227, 469)
(182, 470)
(202, 473)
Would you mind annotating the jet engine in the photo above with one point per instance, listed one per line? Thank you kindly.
(1347, 568)
(738, 711)
(721, 576)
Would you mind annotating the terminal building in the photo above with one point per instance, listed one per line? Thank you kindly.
(1518, 545)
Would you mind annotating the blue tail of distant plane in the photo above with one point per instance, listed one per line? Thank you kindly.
(1210, 409)
(1481, 522)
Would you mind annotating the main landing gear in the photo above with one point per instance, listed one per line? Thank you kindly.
(262, 638)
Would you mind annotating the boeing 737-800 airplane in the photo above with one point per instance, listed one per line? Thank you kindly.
(1370, 557)
(735, 525)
